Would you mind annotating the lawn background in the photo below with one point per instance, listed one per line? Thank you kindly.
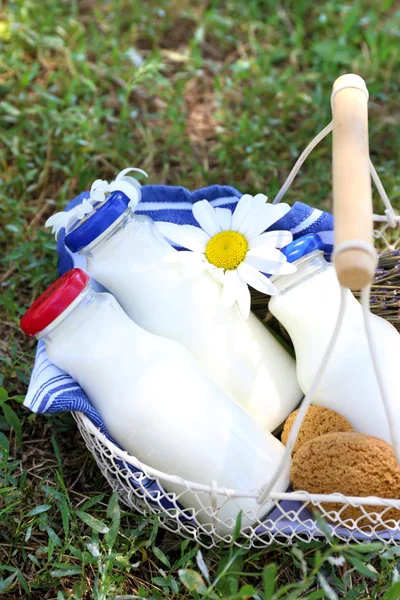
(195, 93)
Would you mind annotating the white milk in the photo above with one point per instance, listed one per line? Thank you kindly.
(160, 406)
(242, 356)
(308, 306)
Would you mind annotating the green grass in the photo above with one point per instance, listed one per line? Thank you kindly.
(195, 92)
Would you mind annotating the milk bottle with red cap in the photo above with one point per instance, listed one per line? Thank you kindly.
(154, 398)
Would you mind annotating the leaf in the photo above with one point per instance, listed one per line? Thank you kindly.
(161, 556)
(68, 572)
(203, 567)
(38, 510)
(22, 581)
(391, 552)
(93, 549)
(247, 591)
(228, 573)
(50, 550)
(10, 109)
(4, 448)
(28, 533)
(153, 534)
(53, 536)
(316, 595)
(161, 581)
(366, 548)
(113, 509)
(329, 592)
(186, 558)
(52, 492)
(34, 560)
(93, 523)
(14, 422)
(238, 528)
(92, 501)
(65, 516)
(192, 581)
(114, 513)
(269, 577)
(57, 452)
(393, 593)
(361, 567)
(5, 583)
(323, 525)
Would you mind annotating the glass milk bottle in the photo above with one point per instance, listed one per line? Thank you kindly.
(307, 306)
(124, 253)
(154, 398)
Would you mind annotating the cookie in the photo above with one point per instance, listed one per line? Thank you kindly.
(318, 421)
(353, 464)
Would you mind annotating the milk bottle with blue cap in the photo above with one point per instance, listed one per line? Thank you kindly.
(307, 305)
(126, 253)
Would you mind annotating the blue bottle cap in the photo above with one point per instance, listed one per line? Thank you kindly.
(302, 246)
(96, 223)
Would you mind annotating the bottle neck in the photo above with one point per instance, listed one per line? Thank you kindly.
(123, 220)
(86, 297)
(307, 266)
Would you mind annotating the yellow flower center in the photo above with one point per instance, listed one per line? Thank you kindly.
(227, 250)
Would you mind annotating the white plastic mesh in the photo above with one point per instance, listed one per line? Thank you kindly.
(286, 517)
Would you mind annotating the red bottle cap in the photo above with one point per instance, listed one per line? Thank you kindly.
(53, 301)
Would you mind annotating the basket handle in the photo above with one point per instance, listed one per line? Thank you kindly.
(355, 260)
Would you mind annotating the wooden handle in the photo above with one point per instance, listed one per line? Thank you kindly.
(352, 196)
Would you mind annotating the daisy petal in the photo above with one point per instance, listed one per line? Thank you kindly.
(180, 256)
(130, 189)
(224, 217)
(256, 204)
(71, 221)
(256, 280)
(269, 253)
(205, 215)
(186, 236)
(190, 268)
(259, 200)
(97, 195)
(55, 219)
(124, 172)
(86, 206)
(263, 218)
(240, 211)
(271, 267)
(277, 239)
(190, 263)
(217, 273)
(230, 291)
(243, 298)
(99, 183)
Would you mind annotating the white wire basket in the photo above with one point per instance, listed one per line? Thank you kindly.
(290, 518)
(200, 511)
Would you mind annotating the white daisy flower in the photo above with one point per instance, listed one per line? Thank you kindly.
(99, 192)
(233, 247)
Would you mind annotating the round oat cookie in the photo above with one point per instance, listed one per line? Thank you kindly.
(353, 464)
(318, 421)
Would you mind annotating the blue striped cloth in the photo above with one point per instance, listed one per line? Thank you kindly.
(52, 390)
